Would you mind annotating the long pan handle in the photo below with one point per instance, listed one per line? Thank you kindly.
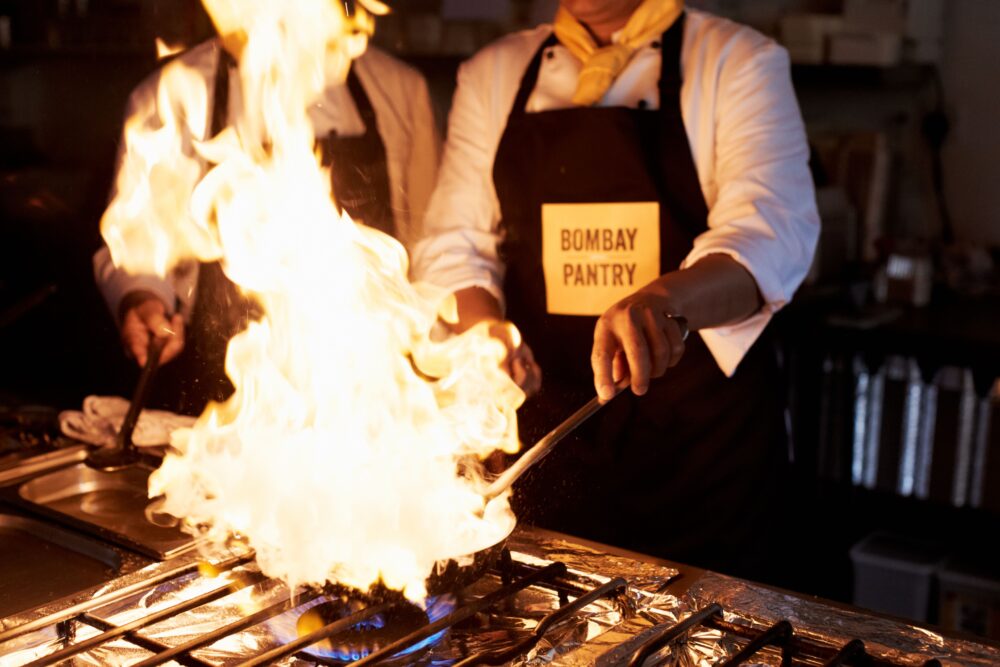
(542, 447)
(552, 438)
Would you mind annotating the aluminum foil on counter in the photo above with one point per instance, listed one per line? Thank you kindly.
(888, 639)
(578, 640)
(651, 607)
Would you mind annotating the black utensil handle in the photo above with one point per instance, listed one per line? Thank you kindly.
(156, 346)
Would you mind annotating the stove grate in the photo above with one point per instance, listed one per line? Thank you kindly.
(514, 577)
(612, 588)
(794, 649)
(505, 592)
(128, 631)
(182, 652)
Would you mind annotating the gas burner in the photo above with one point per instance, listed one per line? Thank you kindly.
(370, 635)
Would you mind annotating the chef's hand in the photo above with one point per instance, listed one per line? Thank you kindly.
(475, 305)
(636, 340)
(144, 315)
(520, 361)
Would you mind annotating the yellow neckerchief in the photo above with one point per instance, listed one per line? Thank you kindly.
(603, 64)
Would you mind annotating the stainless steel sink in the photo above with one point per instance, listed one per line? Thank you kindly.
(30, 462)
(31, 442)
(40, 563)
(109, 504)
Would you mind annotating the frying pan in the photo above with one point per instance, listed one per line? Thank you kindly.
(453, 577)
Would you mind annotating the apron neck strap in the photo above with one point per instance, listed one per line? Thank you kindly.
(220, 104)
(530, 77)
(361, 100)
(671, 77)
(220, 96)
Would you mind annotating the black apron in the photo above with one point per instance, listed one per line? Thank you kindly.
(360, 179)
(688, 471)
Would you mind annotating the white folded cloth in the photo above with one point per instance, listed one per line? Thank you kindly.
(102, 417)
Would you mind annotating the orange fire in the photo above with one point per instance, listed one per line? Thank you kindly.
(338, 457)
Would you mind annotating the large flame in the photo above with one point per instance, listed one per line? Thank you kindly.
(351, 449)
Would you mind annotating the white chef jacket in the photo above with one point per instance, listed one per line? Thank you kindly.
(406, 124)
(746, 136)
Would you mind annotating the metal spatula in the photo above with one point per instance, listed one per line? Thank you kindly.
(552, 438)
(541, 449)
(123, 453)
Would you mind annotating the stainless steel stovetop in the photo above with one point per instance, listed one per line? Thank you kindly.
(554, 601)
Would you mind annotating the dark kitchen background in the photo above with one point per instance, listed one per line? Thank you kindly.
(892, 346)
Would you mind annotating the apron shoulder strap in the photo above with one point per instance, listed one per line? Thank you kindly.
(361, 100)
(220, 95)
(530, 78)
(671, 76)
(678, 172)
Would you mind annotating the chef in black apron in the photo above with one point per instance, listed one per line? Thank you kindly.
(360, 180)
(361, 187)
(691, 469)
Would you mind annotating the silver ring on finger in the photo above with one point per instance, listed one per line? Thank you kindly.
(681, 322)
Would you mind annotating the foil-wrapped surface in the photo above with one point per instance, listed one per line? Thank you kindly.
(606, 633)
(577, 640)
(891, 640)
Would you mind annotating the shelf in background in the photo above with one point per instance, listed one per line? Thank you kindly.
(863, 76)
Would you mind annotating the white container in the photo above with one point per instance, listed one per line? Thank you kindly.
(807, 36)
(969, 599)
(895, 576)
(913, 18)
(806, 53)
(852, 47)
(919, 22)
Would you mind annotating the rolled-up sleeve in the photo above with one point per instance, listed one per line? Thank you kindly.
(115, 284)
(459, 245)
(424, 157)
(764, 215)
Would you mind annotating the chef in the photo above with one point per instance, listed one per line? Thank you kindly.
(376, 131)
(631, 172)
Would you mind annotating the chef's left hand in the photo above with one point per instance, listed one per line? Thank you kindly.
(635, 339)
(520, 361)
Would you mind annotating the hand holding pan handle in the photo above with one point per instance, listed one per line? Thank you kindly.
(552, 438)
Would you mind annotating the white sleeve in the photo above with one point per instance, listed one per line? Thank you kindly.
(765, 214)
(459, 244)
(115, 284)
(424, 157)
(176, 290)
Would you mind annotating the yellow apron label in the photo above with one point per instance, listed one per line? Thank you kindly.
(594, 255)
